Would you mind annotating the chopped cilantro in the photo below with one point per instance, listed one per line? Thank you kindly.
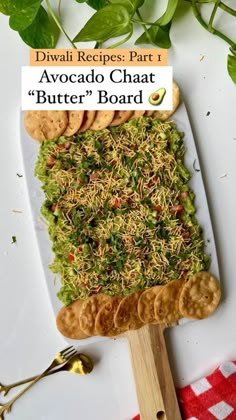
(120, 210)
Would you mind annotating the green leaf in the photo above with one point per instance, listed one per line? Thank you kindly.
(111, 21)
(232, 67)
(159, 36)
(137, 3)
(21, 19)
(125, 3)
(8, 7)
(169, 13)
(130, 5)
(40, 33)
(95, 4)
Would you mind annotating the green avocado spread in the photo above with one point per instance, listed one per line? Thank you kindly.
(120, 212)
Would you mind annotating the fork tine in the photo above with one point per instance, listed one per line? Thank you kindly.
(69, 348)
(69, 351)
(69, 354)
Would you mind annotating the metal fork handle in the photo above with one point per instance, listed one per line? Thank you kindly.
(6, 388)
(7, 407)
(58, 362)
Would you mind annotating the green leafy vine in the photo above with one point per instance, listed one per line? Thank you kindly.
(39, 25)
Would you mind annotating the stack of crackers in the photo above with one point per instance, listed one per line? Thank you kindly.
(109, 316)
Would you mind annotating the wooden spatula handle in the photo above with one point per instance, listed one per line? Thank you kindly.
(154, 384)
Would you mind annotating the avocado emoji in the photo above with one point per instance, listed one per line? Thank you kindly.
(157, 97)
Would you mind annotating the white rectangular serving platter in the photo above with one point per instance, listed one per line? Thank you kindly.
(30, 149)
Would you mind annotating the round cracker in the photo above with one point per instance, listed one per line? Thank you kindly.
(68, 321)
(138, 114)
(89, 311)
(146, 304)
(149, 113)
(88, 119)
(164, 115)
(45, 125)
(200, 296)
(75, 119)
(120, 117)
(104, 323)
(166, 304)
(126, 316)
(102, 120)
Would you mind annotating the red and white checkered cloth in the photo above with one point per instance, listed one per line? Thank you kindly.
(210, 398)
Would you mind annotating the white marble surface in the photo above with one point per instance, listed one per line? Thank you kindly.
(28, 334)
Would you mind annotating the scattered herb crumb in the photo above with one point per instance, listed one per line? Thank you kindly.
(19, 175)
(13, 239)
(223, 176)
(202, 57)
(208, 240)
(208, 113)
(194, 166)
(17, 211)
(234, 138)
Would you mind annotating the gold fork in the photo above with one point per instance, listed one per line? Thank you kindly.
(60, 358)
(80, 364)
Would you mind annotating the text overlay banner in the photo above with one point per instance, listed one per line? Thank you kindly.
(86, 88)
(99, 57)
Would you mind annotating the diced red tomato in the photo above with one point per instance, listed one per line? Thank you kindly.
(158, 209)
(53, 207)
(70, 257)
(177, 209)
(117, 203)
(80, 248)
(156, 179)
(94, 176)
(50, 161)
(61, 146)
(113, 162)
(184, 194)
(110, 250)
(185, 235)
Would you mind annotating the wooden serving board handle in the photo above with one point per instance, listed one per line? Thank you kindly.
(154, 383)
